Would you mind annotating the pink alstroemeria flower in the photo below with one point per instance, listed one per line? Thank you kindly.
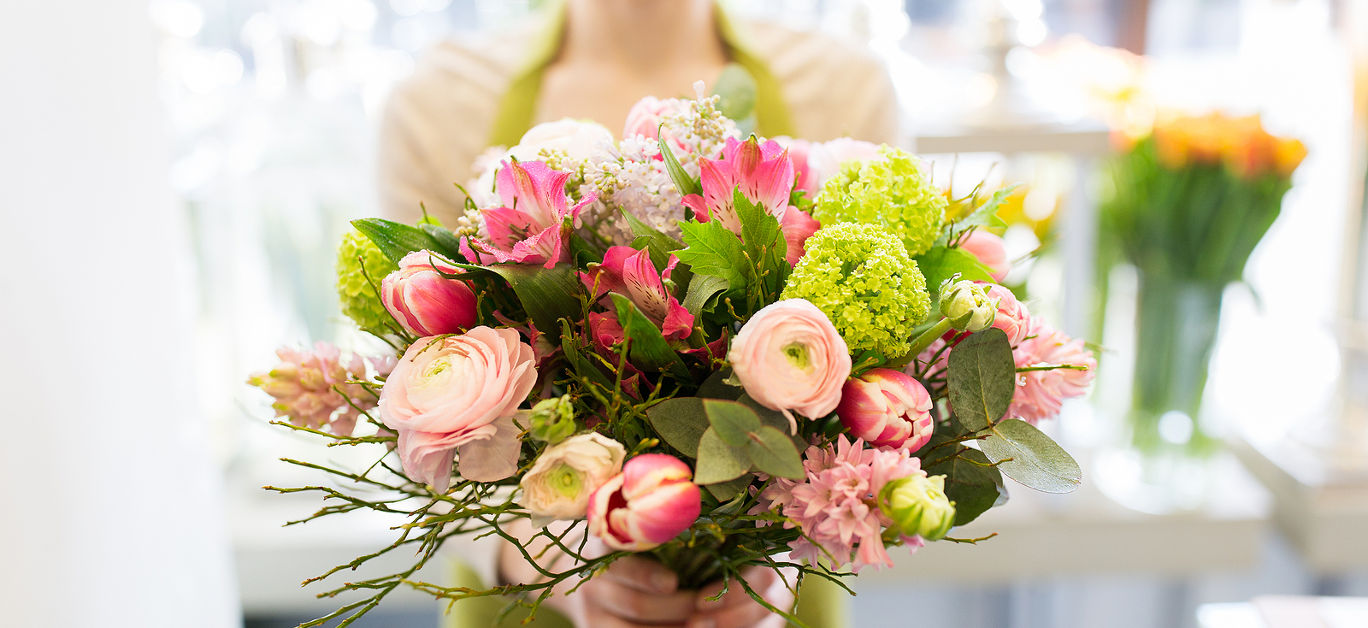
(530, 227)
(631, 273)
(763, 173)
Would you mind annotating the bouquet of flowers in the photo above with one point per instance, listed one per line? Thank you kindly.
(1191, 198)
(719, 352)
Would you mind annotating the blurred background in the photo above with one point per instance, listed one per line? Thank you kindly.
(175, 176)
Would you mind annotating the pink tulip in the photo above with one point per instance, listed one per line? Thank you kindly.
(788, 356)
(1012, 316)
(887, 408)
(649, 503)
(763, 173)
(631, 273)
(459, 392)
(425, 302)
(530, 226)
(990, 250)
(797, 227)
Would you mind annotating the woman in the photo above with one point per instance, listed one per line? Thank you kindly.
(594, 59)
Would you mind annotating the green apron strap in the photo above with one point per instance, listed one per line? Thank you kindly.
(518, 107)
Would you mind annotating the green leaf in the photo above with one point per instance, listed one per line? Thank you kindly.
(572, 345)
(651, 239)
(774, 453)
(680, 422)
(718, 461)
(546, 294)
(648, 348)
(970, 480)
(982, 378)
(941, 263)
(985, 215)
(765, 245)
(716, 386)
(701, 291)
(736, 89)
(733, 422)
(447, 242)
(724, 491)
(713, 250)
(1028, 456)
(395, 239)
(683, 182)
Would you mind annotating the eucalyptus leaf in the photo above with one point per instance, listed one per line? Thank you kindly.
(718, 461)
(733, 422)
(970, 480)
(724, 491)
(716, 386)
(1028, 456)
(982, 378)
(680, 422)
(773, 452)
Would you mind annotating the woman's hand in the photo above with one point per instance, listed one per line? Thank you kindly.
(641, 592)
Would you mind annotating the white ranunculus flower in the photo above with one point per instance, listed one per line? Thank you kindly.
(574, 141)
(561, 480)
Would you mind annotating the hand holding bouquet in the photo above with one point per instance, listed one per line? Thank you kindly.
(712, 352)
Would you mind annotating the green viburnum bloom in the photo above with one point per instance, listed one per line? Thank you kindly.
(359, 300)
(892, 192)
(861, 277)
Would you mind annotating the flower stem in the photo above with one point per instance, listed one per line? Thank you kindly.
(929, 336)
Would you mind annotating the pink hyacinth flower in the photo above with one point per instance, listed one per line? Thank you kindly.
(425, 302)
(649, 503)
(631, 273)
(530, 226)
(763, 173)
(887, 408)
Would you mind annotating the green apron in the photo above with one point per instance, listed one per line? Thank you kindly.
(822, 604)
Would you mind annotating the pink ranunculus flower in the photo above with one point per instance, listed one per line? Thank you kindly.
(763, 173)
(797, 227)
(530, 227)
(1040, 394)
(826, 159)
(631, 273)
(649, 503)
(887, 408)
(1012, 316)
(425, 302)
(459, 392)
(990, 251)
(788, 356)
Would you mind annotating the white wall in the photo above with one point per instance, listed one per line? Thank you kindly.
(109, 508)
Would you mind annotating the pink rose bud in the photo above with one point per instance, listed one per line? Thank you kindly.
(1012, 317)
(990, 251)
(887, 408)
(425, 302)
(788, 356)
(649, 503)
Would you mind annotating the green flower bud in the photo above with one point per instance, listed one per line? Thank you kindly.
(918, 506)
(967, 305)
(553, 420)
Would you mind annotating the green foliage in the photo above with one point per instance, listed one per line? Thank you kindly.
(971, 481)
(546, 295)
(396, 239)
(361, 266)
(680, 422)
(1028, 456)
(736, 89)
(714, 250)
(718, 460)
(891, 192)
(982, 378)
(683, 182)
(941, 263)
(647, 349)
(733, 422)
(862, 279)
(765, 249)
(772, 452)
